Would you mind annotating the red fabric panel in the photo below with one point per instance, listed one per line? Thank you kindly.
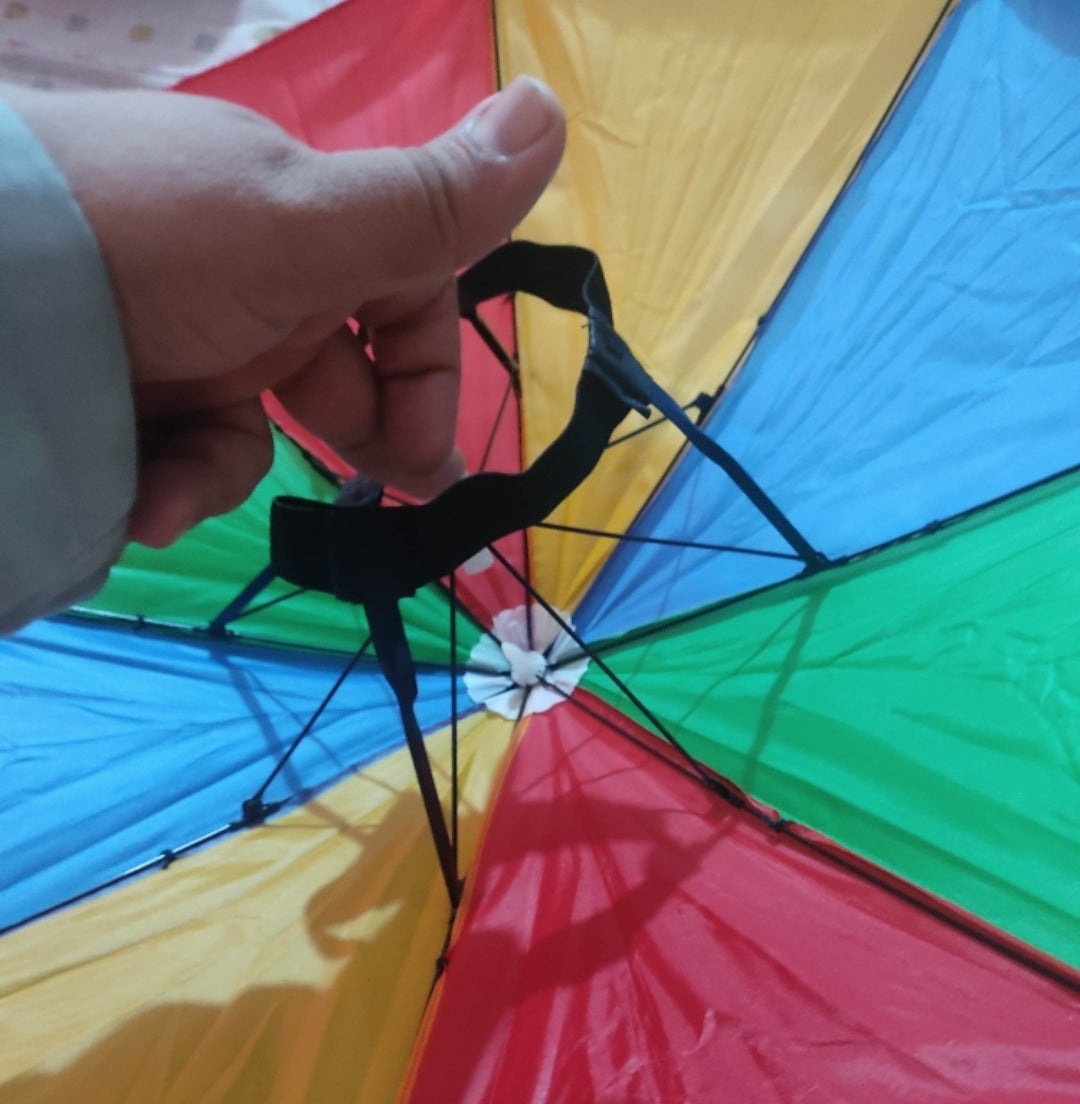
(370, 73)
(366, 73)
(630, 937)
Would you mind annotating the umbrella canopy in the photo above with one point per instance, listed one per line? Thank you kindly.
(843, 236)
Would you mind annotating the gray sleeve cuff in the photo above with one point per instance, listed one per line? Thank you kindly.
(67, 428)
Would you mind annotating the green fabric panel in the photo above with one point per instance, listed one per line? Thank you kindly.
(921, 707)
(191, 582)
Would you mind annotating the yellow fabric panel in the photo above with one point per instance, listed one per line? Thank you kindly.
(707, 139)
(289, 963)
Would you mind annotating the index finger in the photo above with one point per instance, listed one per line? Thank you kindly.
(416, 350)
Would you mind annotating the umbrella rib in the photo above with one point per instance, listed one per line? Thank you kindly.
(255, 809)
(668, 542)
(237, 606)
(763, 321)
(596, 715)
(267, 604)
(163, 860)
(864, 871)
(498, 350)
(707, 779)
(656, 628)
(490, 444)
(702, 404)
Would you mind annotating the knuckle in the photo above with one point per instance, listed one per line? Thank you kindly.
(351, 446)
(288, 176)
(438, 189)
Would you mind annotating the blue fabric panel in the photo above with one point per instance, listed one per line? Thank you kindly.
(926, 356)
(116, 745)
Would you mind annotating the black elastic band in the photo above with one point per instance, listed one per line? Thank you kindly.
(361, 552)
(358, 553)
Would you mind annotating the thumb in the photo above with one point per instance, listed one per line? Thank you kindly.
(402, 215)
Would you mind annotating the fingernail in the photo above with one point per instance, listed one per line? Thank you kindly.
(512, 120)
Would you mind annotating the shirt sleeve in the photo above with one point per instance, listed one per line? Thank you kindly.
(67, 429)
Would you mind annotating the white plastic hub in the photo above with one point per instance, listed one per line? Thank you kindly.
(505, 673)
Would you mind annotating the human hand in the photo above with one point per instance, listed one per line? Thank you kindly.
(237, 255)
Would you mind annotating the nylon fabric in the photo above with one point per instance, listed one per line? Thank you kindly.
(368, 74)
(925, 358)
(706, 141)
(289, 964)
(625, 934)
(119, 746)
(632, 937)
(918, 706)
